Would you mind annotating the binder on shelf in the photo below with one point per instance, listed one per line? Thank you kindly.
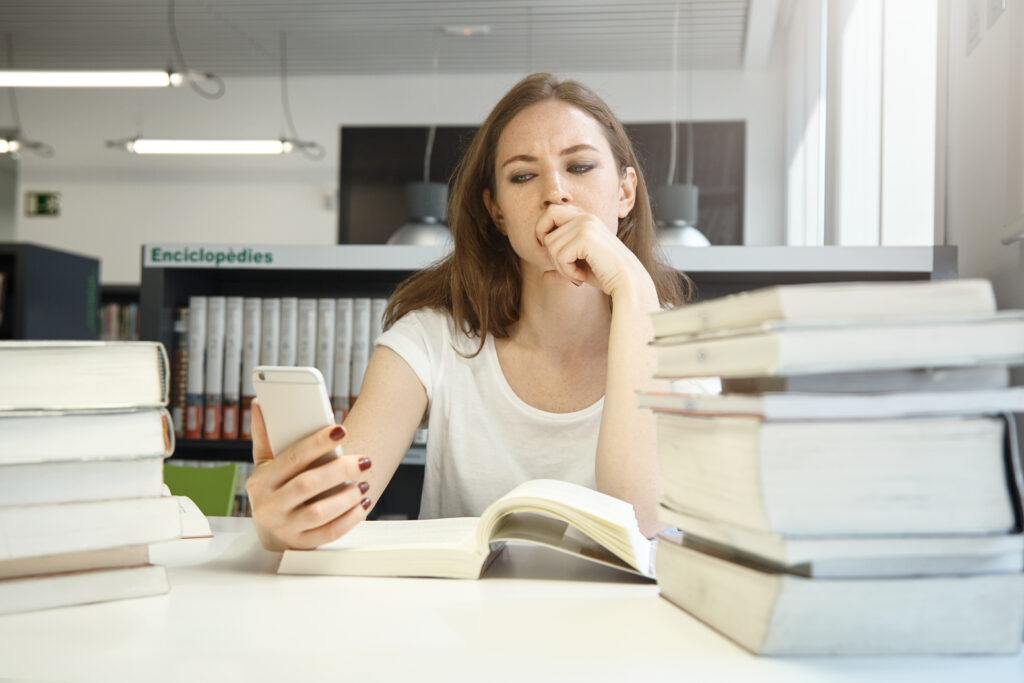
(305, 351)
(270, 332)
(342, 358)
(325, 323)
(197, 361)
(216, 321)
(252, 310)
(289, 338)
(361, 330)
(232, 367)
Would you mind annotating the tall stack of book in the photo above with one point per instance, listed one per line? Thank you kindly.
(856, 487)
(83, 436)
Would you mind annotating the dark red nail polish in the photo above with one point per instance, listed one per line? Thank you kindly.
(364, 464)
(364, 486)
(338, 433)
(366, 503)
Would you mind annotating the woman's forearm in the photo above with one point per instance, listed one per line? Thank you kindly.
(627, 459)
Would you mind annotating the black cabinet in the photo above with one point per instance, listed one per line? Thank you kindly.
(47, 293)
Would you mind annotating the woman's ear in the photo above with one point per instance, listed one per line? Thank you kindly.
(492, 208)
(627, 191)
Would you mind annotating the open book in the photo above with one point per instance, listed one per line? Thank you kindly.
(563, 516)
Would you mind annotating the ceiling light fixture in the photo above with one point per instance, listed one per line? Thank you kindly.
(10, 78)
(483, 30)
(12, 141)
(283, 145)
(154, 146)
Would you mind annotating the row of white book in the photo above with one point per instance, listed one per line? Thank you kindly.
(229, 336)
(856, 488)
(83, 435)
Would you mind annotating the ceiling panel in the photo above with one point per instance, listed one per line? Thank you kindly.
(242, 37)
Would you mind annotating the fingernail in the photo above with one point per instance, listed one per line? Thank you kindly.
(364, 486)
(366, 503)
(338, 433)
(364, 464)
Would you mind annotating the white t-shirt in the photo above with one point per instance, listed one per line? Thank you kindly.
(482, 439)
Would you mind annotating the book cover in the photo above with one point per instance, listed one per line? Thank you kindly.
(216, 322)
(775, 613)
(251, 345)
(305, 346)
(270, 332)
(342, 358)
(847, 301)
(179, 370)
(71, 375)
(232, 367)
(361, 330)
(196, 367)
(795, 349)
(45, 591)
(894, 476)
(326, 324)
(289, 331)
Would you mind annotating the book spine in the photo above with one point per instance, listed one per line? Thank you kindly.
(361, 330)
(270, 332)
(342, 358)
(179, 371)
(289, 331)
(232, 366)
(305, 351)
(216, 320)
(251, 328)
(196, 364)
(325, 324)
(377, 308)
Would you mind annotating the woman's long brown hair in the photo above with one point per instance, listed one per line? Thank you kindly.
(478, 283)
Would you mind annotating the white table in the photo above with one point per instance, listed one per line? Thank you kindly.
(538, 615)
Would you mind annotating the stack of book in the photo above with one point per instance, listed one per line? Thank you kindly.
(83, 436)
(856, 487)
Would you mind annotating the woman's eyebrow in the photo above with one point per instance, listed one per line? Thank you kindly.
(565, 152)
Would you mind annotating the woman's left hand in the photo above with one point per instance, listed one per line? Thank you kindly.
(584, 249)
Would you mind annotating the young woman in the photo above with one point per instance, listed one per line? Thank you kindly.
(523, 348)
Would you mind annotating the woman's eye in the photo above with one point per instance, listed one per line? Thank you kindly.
(521, 178)
(580, 169)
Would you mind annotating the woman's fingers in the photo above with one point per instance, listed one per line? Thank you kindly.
(318, 480)
(300, 455)
(337, 526)
(261, 452)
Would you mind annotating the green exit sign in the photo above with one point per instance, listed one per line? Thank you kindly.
(42, 203)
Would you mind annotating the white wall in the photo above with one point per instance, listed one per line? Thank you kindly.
(984, 190)
(113, 202)
(805, 124)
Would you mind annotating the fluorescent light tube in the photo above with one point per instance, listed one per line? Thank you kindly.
(8, 146)
(89, 79)
(149, 146)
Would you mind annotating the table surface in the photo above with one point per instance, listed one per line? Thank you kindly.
(537, 615)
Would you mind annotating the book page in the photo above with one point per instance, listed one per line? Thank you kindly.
(456, 532)
(607, 520)
(553, 533)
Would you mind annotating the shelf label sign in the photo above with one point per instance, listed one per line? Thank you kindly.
(183, 256)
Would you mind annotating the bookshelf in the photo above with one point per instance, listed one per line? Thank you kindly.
(171, 273)
(47, 293)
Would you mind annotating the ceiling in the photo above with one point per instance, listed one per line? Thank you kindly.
(243, 37)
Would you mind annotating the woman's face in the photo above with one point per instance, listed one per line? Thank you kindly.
(553, 154)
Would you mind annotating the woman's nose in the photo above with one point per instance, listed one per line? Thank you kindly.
(557, 192)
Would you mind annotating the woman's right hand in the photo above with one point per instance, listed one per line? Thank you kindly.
(281, 488)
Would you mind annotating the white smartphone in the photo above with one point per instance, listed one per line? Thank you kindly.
(294, 403)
